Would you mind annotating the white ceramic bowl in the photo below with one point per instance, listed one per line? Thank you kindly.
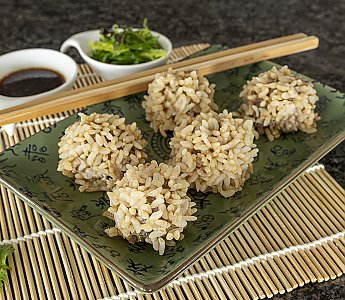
(37, 58)
(81, 41)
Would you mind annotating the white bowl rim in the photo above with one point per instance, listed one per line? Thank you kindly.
(103, 64)
(67, 82)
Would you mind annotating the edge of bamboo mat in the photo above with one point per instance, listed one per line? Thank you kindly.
(209, 64)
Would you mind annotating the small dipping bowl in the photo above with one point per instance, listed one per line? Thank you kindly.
(81, 41)
(36, 58)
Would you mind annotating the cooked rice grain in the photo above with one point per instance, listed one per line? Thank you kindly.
(176, 94)
(95, 150)
(278, 101)
(150, 204)
(215, 152)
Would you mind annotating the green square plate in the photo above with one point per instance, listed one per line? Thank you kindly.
(29, 170)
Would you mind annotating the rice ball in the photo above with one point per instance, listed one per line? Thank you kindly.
(278, 101)
(175, 94)
(215, 152)
(95, 150)
(150, 204)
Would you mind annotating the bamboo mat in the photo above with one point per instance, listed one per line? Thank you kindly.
(296, 239)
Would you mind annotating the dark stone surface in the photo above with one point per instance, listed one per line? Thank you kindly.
(329, 290)
(28, 24)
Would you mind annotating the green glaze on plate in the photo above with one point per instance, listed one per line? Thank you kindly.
(29, 170)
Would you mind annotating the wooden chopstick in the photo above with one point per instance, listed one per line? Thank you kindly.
(207, 64)
(180, 64)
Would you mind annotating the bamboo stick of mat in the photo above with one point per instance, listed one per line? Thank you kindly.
(135, 83)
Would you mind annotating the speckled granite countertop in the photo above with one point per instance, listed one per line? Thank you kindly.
(28, 24)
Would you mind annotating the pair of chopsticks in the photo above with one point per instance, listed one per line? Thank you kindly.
(111, 89)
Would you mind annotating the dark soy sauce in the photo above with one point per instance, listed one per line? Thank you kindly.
(30, 82)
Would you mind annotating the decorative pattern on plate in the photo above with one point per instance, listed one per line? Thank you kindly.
(29, 169)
